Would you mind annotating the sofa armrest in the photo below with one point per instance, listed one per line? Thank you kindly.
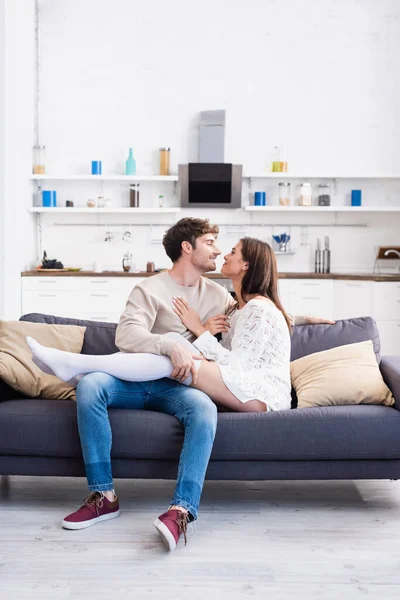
(390, 369)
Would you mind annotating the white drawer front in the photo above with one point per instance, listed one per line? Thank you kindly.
(46, 283)
(310, 297)
(50, 302)
(352, 299)
(124, 284)
(99, 302)
(386, 305)
(389, 335)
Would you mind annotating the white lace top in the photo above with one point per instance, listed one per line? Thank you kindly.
(254, 356)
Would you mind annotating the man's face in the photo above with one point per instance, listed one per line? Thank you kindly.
(203, 257)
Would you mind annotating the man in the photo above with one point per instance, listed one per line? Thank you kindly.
(148, 317)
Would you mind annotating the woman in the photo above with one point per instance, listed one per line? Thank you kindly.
(248, 372)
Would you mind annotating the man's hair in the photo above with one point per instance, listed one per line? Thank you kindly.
(186, 230)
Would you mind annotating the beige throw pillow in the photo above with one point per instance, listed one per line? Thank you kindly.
(16, 366)
(344, 375)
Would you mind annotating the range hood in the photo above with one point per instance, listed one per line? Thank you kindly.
(211, 183)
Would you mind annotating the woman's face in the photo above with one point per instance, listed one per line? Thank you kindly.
(234, 266)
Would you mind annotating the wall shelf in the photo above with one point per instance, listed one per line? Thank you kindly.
(99, 211)
(310, 175)
(172, 178)
(322, 209)
(123, 178)
(176, 209)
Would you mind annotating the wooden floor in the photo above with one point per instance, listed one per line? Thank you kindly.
(269, 540)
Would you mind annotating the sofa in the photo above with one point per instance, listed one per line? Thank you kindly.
(40, 437)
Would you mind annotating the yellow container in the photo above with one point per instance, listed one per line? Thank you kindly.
(164, 160)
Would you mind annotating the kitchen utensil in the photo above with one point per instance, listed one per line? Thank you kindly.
(318, 257)
(326, 257)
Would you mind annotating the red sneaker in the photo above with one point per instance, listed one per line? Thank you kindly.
(170, 525)
(96, 507)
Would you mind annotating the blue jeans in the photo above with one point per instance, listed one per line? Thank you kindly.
(96, 392)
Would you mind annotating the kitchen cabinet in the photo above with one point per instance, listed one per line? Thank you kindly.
(352, 299)
(389, 336)
(307, 296)
(386, 311)
(91, 298)
(386, 301)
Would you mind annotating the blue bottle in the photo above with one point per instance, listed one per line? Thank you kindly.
(130, 164)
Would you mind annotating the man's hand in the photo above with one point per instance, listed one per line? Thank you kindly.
(217, 324)
(318, 321)
(183, 361)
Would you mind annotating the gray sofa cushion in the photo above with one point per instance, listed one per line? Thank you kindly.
(307, 339)
(99, 336)
(49, 428)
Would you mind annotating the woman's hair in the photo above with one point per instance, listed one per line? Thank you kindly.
(261, 276)
(186, 230)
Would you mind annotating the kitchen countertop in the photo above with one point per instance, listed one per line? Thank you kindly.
(342, 276)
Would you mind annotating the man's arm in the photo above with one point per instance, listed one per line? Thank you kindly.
(134, 328)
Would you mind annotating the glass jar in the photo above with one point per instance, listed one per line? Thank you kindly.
(284, 193)
(279, 162)
(38, 160)
(305, 194)
(127, 262)
(324, 194)
(164, 160)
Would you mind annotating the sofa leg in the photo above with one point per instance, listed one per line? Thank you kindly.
(393, 479)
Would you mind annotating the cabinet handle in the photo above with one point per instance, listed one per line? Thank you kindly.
(48, 295)
(100, 281)
(100, 295)
(48, 281)
(353, 284)
(312, 284)
(310, 298)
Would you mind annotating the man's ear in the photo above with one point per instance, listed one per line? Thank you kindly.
(186, 247)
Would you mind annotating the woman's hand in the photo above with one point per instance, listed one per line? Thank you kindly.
(217, 324)
(188, 316)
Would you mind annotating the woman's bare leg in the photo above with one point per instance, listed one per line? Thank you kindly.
(209, 381)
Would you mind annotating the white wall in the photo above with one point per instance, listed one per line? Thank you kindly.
(2, 157)
(16, 80)
(320, 77)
